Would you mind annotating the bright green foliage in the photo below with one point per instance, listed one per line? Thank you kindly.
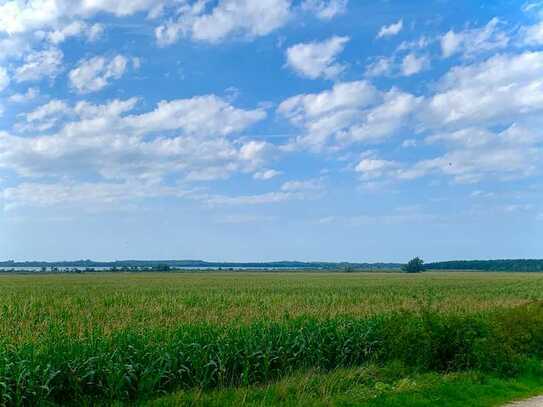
(390, 386)
(130, 366)
(89, 338)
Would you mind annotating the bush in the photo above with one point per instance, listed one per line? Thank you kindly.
(415, 265)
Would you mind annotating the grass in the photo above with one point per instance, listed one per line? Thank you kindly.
(372, 386)
(105, 337)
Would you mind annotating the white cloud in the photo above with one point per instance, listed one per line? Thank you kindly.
(372, 168)
(304, 185)
(136, 63)
(46, 116)
(12, 47)
(40, 64)
(342, 96)
(200, 114)
(382, 66)
(94, 74)
(472, 155)
(532, 35)
(244, 218)
(390, 30)
(411, 64)
(325, 9)
(24, 16)
(258, 199)
(384, 119)
(486, 116)
(476, 154)
(511, 208)
(265, 175)
(349, 112)
(397, 216)
(95, 32)
(317, 59)
(473, 41)
(290, 190)
(73, 29)
(450, 43)
(4, 79)
(409, 143)
(421, 43)
(50, 108)
(98, 195)
(533, 7)
(494, 91)
(255, 152)
(230, 17)
(103, 141)
(30, 94)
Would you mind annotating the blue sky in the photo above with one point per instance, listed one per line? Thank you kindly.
(271, 129)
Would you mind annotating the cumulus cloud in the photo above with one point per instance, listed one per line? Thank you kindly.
(476, 154)
(107, 142)
(40, 64)
(473, 41)
(303, 185)
(390, 30)
(532, 35)
(74, 29)
(94, 74)
(411, 64)
(200, 114)
(265, 175)
(325, 9)
(290, 190)
(49, 109)
(381, 66)
(414, 45)
(256, 199)
(472, 155)
(4, 79)
(349, 112)
(45, 116)
(485, 117)
(12, 47)
(317, 59)
(246, 18)
(371, 168)
(30, 94)
(497, 90)
(25, 16)
(98, 195)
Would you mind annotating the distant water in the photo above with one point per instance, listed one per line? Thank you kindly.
(211, 268)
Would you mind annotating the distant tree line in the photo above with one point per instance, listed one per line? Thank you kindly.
(526, 265)
(414, 266)
(172, 264)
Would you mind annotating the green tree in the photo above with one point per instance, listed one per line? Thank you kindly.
(415, 265)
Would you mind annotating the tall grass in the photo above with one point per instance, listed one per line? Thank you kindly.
(130, 365)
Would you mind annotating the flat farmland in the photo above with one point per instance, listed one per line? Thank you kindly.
(125, 337)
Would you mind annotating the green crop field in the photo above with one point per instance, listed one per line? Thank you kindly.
(292, 338)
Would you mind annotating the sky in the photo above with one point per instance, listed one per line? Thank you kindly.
(259, 130)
